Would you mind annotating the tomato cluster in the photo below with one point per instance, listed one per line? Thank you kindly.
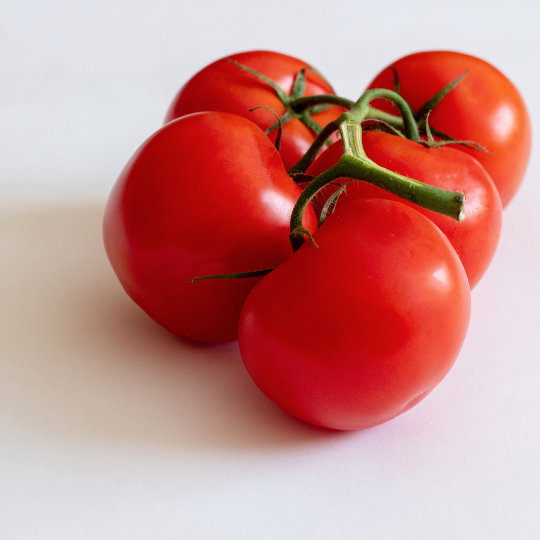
(338, 241)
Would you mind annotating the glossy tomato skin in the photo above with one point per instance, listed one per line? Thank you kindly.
(222, 86)
(207, 194)
(355, 332)
(475, 239)
(484, 107)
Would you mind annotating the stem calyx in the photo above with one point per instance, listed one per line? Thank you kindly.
(304, 114)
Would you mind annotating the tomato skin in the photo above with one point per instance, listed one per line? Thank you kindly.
(475, 239)
(206, 194)
(355, 332)
(222, 86)
(484, 107)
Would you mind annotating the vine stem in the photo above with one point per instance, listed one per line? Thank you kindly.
(359, 112)
(307, 159)
(448, 203)
(355, 164)
(307, 102)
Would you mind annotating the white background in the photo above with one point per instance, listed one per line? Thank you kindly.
(110, 427)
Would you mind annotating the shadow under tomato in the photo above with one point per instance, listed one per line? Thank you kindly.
(81, 360)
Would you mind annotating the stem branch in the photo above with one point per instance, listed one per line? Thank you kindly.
(448, 203)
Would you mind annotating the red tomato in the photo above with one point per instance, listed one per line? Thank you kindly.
(476, 238)
(484, 107)
(359, 330)
(207, 194)
(222, 86)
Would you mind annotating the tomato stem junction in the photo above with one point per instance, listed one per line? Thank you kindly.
(355, 164)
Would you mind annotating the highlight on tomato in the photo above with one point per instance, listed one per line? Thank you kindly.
(206, 194)
(227, 85)
(484, 107)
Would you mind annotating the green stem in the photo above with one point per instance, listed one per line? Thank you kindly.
(359, 112)
(392, 119)
(429, 105)
(306, 102)
(301, 104)
(309, 192)
(355, 164)
(307, 159)
(235, 275)
(448, 203)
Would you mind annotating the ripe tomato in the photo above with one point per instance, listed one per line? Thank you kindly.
(476, 238)
(223, 86)
(359, 330)
(484, 107)
(207, 194)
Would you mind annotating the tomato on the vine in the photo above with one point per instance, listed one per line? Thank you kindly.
(206, 194)
(476, 238)
(485, 107)
(356, 331)
(223, 86)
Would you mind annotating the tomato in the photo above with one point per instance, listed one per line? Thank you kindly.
(475, 239)
(359, 330)
(206, 194)
(223, 86)
(484, 107)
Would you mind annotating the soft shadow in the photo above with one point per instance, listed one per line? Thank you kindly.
(79, 359)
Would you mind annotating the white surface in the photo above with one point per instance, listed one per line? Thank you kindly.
(85, 83)
(112, 428)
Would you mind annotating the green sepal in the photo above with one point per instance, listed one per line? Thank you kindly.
(310, 123)
(298, 90)
(236, 275)
(314, 126)
(389, 127)
(432, 143)
(279, 91)
(320, 75)
(299, 85)
(429, 105)
(473, 145)
(396, 79)
(300, 231)
(283, 120)
(279, 124)
(330, 204)
(431, 140)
